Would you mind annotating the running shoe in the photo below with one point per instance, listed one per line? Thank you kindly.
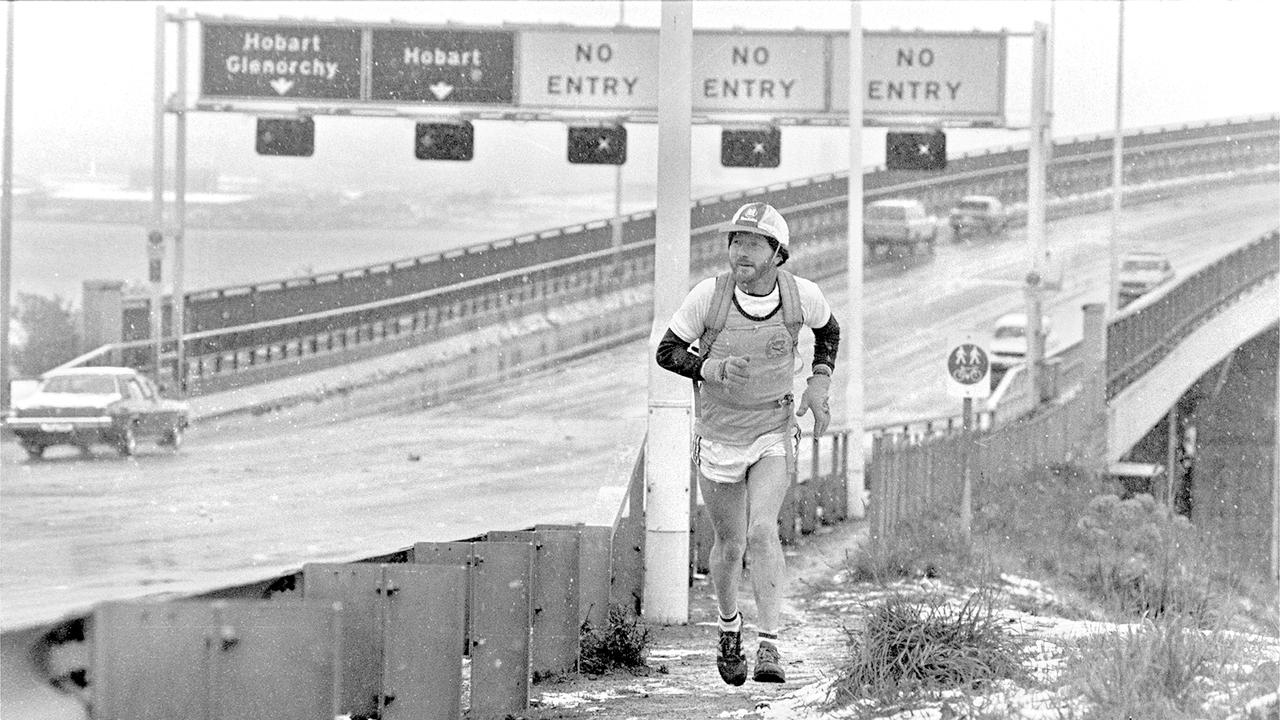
(731, 661)
(768, 664)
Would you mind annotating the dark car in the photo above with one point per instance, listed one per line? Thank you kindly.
(977, 214)
(116, 406)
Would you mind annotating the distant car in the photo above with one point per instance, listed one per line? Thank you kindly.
(1009, 339)
(977, 214)
(84, 406)
(1142, 272)
(898, 224)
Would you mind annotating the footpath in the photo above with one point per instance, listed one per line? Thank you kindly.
(681, 682)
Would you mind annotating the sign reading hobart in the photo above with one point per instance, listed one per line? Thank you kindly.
(443, 66)
(281, 61)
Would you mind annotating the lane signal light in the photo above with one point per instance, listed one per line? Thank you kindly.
(294, 137)
(751, 148)
(598, 144)
(444, 141)
(915, 150)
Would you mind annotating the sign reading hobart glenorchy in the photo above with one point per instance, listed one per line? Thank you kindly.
(279, 61)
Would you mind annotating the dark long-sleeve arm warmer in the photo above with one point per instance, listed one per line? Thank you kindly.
(673, 354)
(826, 343)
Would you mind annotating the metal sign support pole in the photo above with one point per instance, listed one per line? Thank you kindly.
(855, 481)
(180, 213)
(1117, 177)
(966, 471)
(157, 184)
(667, 460)
(1036, 215)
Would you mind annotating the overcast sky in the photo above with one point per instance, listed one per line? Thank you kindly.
(83, 86)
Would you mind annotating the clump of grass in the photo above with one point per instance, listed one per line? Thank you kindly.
(1159, 670)
(622, 644)
(924, 547)
(911, 647)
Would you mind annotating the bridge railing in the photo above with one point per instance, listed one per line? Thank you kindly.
(242, 328)
(1143, 334)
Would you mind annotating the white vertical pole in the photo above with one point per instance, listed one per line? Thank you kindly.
(1036, 213)
(1117, 175)
(157, 180)
(851, 334)
(617, 174)
(6, 211)
(180, 213)
(666, 562)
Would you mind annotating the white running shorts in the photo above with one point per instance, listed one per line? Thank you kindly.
(728, 463)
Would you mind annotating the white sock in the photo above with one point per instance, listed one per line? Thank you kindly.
(771, 638)
(733, 624)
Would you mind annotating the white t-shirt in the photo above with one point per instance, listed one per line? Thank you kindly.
(689, 321)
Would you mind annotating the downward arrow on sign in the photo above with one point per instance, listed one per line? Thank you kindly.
(440, 89)
(281, 85)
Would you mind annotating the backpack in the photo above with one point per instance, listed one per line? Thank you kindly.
(722, 300)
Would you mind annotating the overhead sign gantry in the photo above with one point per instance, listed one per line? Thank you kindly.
(798, 77)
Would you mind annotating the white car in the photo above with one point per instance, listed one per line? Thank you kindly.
(1009, 339)
(1142, 272)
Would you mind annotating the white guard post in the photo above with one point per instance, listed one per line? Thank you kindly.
(1036, 213)
(851, 333)
(666, 561)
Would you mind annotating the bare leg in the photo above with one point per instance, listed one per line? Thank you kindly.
(727, 505)
(767, 484)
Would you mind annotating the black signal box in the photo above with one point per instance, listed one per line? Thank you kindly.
(598, 145)
(915, 150)
(294, 137)
(444, 141)
(751, 148)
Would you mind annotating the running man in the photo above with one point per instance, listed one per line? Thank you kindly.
(746, 323)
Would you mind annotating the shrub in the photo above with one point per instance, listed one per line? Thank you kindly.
(1140, 557)
(622, 644)
(51, 329)
(913, 646)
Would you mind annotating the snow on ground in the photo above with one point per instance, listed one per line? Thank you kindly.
(814, 646)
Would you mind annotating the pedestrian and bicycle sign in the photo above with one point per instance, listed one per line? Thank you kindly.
(968, 370)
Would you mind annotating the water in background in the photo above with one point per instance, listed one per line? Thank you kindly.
(55, 258)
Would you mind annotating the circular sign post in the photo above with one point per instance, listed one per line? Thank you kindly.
(968, 377)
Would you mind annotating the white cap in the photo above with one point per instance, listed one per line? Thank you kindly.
(762, 218)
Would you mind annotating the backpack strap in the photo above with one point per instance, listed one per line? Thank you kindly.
(717, 312)
(792, 312)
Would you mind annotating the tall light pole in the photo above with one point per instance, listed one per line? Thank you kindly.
(1117, 175)
(155, 237)
(852, 337)
(6, 212)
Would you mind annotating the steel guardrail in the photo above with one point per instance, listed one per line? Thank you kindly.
(816, 203)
